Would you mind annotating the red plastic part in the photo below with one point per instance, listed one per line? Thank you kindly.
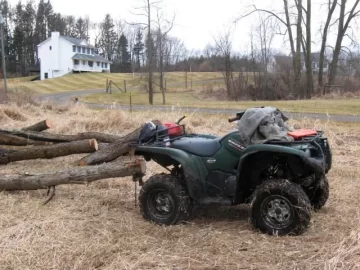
(300, 133)
(173, 129)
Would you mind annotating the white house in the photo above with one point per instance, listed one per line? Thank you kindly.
(60, 55)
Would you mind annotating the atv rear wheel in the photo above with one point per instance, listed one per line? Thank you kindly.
(280, 207)
(321, 194)
(164, 200)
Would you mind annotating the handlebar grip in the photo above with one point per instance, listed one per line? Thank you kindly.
(233, 119)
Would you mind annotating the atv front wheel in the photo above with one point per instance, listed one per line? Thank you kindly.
(163, 200)
(321, 194)
(280, 207)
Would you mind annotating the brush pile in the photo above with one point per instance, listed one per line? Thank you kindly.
(105, 157)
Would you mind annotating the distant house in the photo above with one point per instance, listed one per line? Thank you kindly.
(60, 55)
(315, 63)
(282, 63)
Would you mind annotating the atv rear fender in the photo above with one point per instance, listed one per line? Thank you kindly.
(194, 168)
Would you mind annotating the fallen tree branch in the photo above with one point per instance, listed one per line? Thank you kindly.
(8, 139)
(58, 138)
(77, 175)
(100, 137)
(40, 126)
(112, 151)
(51, 151)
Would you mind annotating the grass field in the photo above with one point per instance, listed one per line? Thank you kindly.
(190, 99)
(204, 93)
(99, 227)
(88, 81)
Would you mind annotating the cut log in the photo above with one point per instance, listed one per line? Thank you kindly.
(112, 151)
(51, 151)
(43, 125)
(42, 136)
(78, 175)
(100, 137)
(8, 139)
(58, 138)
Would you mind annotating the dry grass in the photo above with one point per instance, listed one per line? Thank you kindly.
(98, 226)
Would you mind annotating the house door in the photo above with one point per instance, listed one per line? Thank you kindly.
(46, 75)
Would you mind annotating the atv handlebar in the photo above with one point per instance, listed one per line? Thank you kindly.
(233, 119)
(237, 116)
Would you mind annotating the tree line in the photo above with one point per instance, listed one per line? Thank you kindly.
(146, 45)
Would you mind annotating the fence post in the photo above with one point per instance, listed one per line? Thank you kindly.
(130, 104)
(125, 86)
(107, 85)
(110, 82)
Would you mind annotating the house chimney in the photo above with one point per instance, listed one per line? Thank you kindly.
(55, 34)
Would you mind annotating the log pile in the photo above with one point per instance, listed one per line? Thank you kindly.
(103, 161)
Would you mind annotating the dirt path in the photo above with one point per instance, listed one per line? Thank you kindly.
(64, 97)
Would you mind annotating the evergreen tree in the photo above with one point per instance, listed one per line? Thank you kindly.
(124, 55)
(107, 39)
(138, 48)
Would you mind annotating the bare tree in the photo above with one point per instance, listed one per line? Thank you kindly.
(344, 21)
(331, 8)
(163, 27)
(146, 11)
(285, 19)
(224, 48)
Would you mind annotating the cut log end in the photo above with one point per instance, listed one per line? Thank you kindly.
(94, 144)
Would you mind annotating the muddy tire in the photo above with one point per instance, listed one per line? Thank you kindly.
(321, 194)
(280, 207)
(164, 200)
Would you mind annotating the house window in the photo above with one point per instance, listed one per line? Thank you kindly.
(83, 50)
(46, 75)
(98, 64)
(92, 51)
(50, 48)
(102, 65)
(88, 50)
(90, 63)
(105, 65)
(84, 62)
(74, 48)
(76, 62)
(79, 49)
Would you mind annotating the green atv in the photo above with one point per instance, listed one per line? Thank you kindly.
(281, 180)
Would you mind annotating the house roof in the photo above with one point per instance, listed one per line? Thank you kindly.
(95, 57)
(76, 41)
(315, 57)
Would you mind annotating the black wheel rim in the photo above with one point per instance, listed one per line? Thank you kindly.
(160, 204)
(277, 212)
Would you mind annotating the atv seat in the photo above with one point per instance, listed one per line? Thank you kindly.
(204, 147)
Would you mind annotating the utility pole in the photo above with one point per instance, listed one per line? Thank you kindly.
(3, 55)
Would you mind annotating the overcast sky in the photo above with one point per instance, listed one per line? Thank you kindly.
(197, 21)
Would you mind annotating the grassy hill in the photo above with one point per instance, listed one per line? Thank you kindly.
(205, 89)
(87, 81)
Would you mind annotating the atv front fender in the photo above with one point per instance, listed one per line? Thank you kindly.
(257, 157)
(317, 165)
(194, 168)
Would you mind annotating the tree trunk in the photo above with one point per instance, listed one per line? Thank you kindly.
(309, 71)
(78, 175)
(43, 125)
(112, 151)
(58, 138)
(8, 139)
(323, 44)
(57, 150)
(342, 28)
(100, 137)
(297, 59)
(149, 56)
